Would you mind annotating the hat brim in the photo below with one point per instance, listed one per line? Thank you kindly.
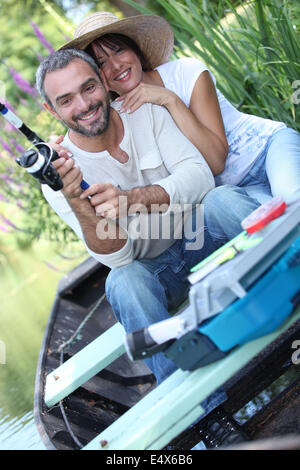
(152, 34)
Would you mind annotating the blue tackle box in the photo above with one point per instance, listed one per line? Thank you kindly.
(244, 290)
(267, 304)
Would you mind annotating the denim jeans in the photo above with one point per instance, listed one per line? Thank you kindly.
(276, 172)
(143, 292)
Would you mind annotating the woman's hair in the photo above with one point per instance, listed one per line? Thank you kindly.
(113, 42)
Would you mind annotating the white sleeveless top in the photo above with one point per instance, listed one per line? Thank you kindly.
(246, 134)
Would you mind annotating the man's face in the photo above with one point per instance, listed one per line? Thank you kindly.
(79, 98)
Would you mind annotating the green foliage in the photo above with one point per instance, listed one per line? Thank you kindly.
(30, 30)
(21, 49)
(253, 51)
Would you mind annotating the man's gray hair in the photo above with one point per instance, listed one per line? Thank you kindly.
(57, 61)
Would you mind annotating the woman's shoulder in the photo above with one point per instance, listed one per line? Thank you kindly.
(182, 63)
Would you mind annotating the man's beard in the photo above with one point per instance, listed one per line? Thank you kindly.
(97, 127)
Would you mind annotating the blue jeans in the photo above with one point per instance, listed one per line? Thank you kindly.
(276, 172)
(143, 292)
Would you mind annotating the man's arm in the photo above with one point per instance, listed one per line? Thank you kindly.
(112, 202)
(101, 236)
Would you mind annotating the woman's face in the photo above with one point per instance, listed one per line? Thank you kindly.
(121, 67)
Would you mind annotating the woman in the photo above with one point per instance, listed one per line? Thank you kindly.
(259, 154)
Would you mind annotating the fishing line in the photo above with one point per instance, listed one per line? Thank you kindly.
(62, 347)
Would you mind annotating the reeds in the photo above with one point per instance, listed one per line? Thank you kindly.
(252, 47)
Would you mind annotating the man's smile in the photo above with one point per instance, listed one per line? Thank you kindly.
(89, 115)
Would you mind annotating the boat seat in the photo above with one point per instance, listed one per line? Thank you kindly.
(88, 362)
(85, 364)
(168, 409)
(171, 407)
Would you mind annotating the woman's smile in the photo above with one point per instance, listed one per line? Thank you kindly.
(123, 76)
(121, 67)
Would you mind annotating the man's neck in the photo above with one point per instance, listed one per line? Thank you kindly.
(108, 140)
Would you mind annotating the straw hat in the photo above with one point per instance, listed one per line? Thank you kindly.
(152, 34)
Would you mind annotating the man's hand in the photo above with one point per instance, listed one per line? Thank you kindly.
(111, 202)
(71, 177)
(105, 198)
(60, 149)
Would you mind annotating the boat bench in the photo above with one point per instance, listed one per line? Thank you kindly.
(168, 409)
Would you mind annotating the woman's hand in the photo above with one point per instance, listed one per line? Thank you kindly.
(60, 150)
(146, 93)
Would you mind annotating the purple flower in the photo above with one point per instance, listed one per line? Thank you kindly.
(23, 102)
(6, 178)
(4, 229)
(8, 222)
(41, 37)
(39, 57)
(8, 127)
(9, 106)
(7, 147)
(23, 84)
(3, 198)
(17, 146)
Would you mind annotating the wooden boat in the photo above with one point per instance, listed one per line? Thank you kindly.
(105, 397)
(96, 404)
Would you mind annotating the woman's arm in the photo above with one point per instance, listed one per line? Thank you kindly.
(201, 123)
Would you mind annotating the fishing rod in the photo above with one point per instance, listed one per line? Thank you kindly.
(37, 162)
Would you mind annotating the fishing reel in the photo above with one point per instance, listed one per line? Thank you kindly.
(38, 164)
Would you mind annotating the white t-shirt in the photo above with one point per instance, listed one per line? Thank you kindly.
(246, 134)
(158, 154)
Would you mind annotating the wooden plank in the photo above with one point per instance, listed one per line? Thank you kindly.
(280, 417)
(166, 411)
(288, 442)
(85, 364)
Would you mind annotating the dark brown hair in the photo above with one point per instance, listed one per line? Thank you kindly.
(113, 42)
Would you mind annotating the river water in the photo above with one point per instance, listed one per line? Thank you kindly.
(28, 282)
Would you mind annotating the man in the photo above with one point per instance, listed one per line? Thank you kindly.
(145, 180)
